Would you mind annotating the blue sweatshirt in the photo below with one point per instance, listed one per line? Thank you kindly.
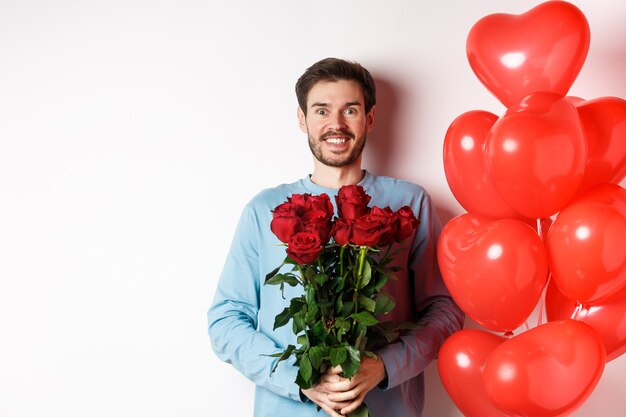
(241, 317)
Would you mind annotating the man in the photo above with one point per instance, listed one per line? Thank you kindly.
(336, 110)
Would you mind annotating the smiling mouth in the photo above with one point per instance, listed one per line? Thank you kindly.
(337, 138)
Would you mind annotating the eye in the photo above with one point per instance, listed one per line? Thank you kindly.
(321, 112)
(350, 111)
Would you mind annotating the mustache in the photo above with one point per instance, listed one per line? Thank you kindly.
(341, 132)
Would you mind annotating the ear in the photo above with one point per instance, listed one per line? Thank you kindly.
(369, 122)
(302, 120)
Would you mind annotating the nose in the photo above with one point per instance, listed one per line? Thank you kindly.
(337, 121)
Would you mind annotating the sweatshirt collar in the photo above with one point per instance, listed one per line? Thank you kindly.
(316, 189)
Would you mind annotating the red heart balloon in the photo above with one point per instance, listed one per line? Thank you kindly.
(609, 319)
(536, 155)
(586, 248)
(465, 167)
(494, 269)
(547, 371)
(604, 123)
(543, 49)
(460, 363)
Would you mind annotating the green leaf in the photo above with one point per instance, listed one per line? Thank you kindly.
(306, 370)
(298, 323)
(339, 283)
(384, 303)
(338, 355)
(339, 305)
(365, 318)
(342, 327)
(310, 295)
(341, 324)
(297, 305)
(302, 383)
(347, 308)
(318, 331)
(367, 274)
(361, 330)
(284, 355)
(282, 318)
(381, 282)
(352, 363)
(391, 336)
(370, 354)
(330, 340)
(303, 341)
(321, 278)
(317, 355)
(311, 315)
(274, 272)
(408, 325)
(367, 303)
(283, 279)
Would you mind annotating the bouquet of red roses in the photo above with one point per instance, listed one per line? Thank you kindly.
(342, 263)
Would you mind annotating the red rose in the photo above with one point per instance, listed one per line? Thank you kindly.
(407, 223)
(305, 247)
(352, 202)
(318, 215)
(366, 231)
(342, 229)
(317, 221)
(320, 203)
(299, 202)
(302, 212)
(307, 202)
(286, 222)
(389, 224)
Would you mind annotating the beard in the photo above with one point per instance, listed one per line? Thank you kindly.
(334, 160)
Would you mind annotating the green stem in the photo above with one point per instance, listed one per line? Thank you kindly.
(302, 277)
(355, 296)
(362, 254)
(341, 252)
(321, 294)
(387, 252)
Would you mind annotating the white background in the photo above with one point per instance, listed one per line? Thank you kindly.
(132, 133)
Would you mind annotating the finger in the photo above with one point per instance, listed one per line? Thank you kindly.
(335, 370)
(353, 405)
(344, 396)
(330, 411)
(337, 405)
(330, 379)
(338, 386)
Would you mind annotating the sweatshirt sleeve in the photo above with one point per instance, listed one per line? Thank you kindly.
(437, 315)
(233, 316)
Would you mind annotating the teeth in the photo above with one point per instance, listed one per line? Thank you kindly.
(335, 140)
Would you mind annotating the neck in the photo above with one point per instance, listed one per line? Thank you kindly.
(331, 177)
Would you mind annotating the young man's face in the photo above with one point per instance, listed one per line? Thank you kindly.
(336, 122)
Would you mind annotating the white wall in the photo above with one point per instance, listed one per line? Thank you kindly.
(131, 134)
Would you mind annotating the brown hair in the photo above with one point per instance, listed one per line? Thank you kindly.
(334, 69)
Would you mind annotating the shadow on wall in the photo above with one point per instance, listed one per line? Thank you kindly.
(438, 403)
(382, 142)
(445, 213)
(383, 146)
(613, 65)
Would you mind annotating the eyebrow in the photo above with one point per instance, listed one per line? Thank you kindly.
(348, 104)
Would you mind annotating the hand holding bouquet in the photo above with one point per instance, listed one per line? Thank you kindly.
(342, 263)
